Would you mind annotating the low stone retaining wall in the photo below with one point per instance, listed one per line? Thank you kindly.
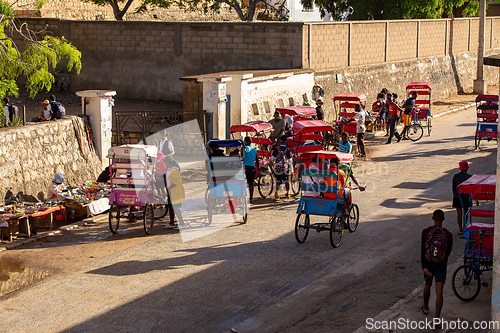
(30, 156)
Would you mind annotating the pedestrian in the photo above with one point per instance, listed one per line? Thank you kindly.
(408, 109)
(377, 110)
(288, 124)
(176, 193)
(344, 145)
(320, 114)
(9, 115)
(461, 202)
(278, 127)
(394, 111)
(250, 162)
(282, 165)
(57, 109)
(360, 118)
(165, 145)
(385, 110)
(436, 245)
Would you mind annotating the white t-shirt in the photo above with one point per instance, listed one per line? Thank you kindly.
(360, 121)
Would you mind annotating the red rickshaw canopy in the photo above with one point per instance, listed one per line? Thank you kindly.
(478, 184)
(351, 97)
(301, 111)
(258, 127)
(311, 126)
(418, 85)
(329, 154)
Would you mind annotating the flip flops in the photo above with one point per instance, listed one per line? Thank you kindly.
(424, 311)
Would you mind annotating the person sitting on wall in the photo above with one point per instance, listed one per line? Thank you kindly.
(45, 111)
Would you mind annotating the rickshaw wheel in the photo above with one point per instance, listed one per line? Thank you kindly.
(336, 230)
(352, 223)
(415, 132)
(466, 283)
(477, 140)
(265, 184)
(301, 227)
(149, 217)
(295, 179)
(114, 218)
(429, 125)
(160, 207)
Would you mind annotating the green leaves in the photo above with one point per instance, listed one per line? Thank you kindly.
(37, 59)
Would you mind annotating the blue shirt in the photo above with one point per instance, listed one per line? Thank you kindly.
(345, 148)
(250, 156)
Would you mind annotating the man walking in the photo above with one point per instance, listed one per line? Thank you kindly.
(394, 111)
(360, 118)
(461, 202)
(434, 252)
(250, 163)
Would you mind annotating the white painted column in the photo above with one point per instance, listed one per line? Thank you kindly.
(98, 105)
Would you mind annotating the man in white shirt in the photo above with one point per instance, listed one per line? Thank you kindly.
(165, 145)
(360, 118)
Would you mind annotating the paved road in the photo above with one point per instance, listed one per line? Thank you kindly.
(256, 277)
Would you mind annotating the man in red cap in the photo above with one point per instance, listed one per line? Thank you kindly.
(460, 201)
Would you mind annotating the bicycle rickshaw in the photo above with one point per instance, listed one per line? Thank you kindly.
(421, 114)
(299, 112)
(487, 118)
(259, 129)
(478, 255)
(227, 190)
(344, 105)
(305, 131)
(132, 170)
(330, 204)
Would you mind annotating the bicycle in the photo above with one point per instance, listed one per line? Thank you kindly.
(466, 280)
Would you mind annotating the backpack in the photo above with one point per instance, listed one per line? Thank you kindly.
(58, 110)
(280, 164)
(436, 245)
(13, 112)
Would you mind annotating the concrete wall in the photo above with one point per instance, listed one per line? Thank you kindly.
(30, 156)
(448, 75)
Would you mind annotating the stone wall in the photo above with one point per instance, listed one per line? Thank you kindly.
(30, 156)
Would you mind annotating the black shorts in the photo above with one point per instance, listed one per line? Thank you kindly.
(438, 271)
(282, 179)
(458, 204)
(250, 174)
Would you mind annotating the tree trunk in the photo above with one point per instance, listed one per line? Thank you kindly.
(237, 8)
(116, 10)
(252, 4)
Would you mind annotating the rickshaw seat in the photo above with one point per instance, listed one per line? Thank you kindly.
(482, 212)
(419, 92)
(487, 117)
(422, 101)
(264, 141)
(347, 105)
(483, 196)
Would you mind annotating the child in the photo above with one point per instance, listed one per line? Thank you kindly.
(176, 194)
(344, 145)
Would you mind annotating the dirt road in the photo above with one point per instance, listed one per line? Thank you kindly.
(255, 277)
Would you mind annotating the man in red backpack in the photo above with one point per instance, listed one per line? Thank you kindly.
(435, 250)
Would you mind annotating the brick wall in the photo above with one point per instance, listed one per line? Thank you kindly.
(402, 40)
(368, 43)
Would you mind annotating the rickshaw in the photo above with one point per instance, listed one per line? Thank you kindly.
(421, 114)
(478, 255)
(344, 105)
(487, 118)
(305, 131)
(329, 203)
(259, 129)
(299, 112)
(227, 182)
(132, 170)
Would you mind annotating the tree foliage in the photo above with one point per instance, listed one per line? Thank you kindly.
(35, 60)
(394, 9)
(245, 11)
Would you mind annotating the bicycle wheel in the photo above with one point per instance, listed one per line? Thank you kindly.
(353, 221)
(114, 218)
(149, 217)
(336, 230)
(265, 184)
(295, 179)
(160, 207)
(415, 132)
(301, 227)
(466, 283)
(429, 125)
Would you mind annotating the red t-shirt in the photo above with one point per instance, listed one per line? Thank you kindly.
(393, 109)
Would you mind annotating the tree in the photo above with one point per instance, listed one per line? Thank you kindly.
(245, 13)
(35, 59)
(394, 9)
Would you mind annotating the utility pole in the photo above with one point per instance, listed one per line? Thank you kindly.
(479, 84)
